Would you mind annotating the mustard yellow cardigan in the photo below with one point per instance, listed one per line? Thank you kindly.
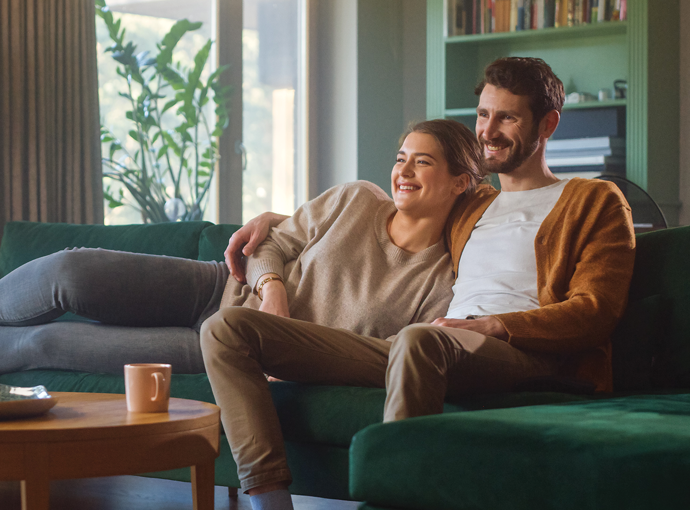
(585, 251)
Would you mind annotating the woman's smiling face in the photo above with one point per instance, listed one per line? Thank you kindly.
(420, 180)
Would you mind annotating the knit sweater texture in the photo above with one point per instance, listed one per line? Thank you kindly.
(341, 269)
(585, 251)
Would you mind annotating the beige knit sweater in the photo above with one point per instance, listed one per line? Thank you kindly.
(342, 270)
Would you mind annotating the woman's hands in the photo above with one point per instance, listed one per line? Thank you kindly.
(246, 239)
(275, 299)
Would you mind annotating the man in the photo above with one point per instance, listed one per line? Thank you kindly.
(544, 271)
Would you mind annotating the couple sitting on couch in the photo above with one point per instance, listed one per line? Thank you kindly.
(541, 283)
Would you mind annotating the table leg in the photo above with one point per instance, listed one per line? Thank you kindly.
(203, 483)
(35, 494)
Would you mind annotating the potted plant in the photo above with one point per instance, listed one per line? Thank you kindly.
(170, 172)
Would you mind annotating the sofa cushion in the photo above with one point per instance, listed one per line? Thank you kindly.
(214, 240)
(625, 453)
(661, 268)
(25, 241)
(333, 414)
(671, 367)
(634, 343)
(328, 415)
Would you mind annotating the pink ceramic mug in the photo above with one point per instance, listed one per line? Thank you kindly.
(147, 386)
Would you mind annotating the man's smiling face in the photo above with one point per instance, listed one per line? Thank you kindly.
(505, 129)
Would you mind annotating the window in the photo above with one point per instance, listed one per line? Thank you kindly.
(273, 87)
(272, 80)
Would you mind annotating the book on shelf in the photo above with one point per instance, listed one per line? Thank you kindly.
(513, 15)
(592, 143)
(582, 175)
(593, 11)
(538, 14)
(488, 9)
(588, 172)
(467, 17)
(549, 13)
(585, 153)
(585, 161)
(561, 13)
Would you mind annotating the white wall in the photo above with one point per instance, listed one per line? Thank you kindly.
(369, 83)
(414, 61)
(334, 95)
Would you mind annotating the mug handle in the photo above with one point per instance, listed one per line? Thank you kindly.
(159, 378)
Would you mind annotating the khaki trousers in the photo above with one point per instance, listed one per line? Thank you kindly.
(421, 367)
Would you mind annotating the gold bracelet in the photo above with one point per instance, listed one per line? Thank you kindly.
(264, 282)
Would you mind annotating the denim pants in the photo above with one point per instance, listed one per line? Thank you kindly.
(140, 308)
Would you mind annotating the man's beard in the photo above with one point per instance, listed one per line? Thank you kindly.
(517, 156)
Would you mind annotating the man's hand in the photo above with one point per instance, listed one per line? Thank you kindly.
(246, 239)
(488, 326)
(275, 299)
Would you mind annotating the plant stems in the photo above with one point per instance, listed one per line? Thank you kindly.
(145, 174)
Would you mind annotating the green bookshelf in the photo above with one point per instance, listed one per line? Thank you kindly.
(471, 112)
(644, 50)
(546, 34)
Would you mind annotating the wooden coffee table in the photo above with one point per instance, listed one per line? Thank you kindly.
(92, 434)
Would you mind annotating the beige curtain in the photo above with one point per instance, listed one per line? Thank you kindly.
(50, 152)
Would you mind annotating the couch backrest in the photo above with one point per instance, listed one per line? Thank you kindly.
(25, 241)
(214, 241)
(652, 343)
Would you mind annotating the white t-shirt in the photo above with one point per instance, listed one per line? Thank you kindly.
(497, 272)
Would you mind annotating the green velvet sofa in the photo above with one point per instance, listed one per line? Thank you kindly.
(629, 450)
(511, 451)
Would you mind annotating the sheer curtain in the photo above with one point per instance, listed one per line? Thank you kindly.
(50, 152)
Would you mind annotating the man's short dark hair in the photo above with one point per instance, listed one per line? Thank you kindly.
(525, 76)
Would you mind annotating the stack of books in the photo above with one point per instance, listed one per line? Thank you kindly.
(586, 157)
(467, 17)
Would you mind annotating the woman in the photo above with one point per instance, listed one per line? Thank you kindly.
(150, 308)
(355, 268)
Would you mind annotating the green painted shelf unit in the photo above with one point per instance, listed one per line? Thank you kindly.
(644, 50)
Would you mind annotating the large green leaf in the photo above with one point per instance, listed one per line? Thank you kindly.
(114, 147)
(170, 40)
(169, 105)
(162, 152)
(193, 77)
(169, 140)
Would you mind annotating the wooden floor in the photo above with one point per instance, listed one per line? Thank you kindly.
(138, 493)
